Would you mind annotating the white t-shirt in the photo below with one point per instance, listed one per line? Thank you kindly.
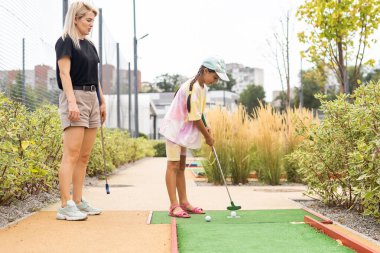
(178, 125)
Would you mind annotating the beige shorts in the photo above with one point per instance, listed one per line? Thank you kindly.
(88, 106)
(174, 151)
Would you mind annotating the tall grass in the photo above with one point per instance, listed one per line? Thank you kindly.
(294, 121)
(232, 144)
(267, 130)
(258, 143)
(240, 146)
(219, 123)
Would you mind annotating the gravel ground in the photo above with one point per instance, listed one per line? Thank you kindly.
(20, 209)
(351, 219)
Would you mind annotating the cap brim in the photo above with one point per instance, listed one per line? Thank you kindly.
(223, 76)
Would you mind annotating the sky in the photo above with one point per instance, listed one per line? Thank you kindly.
(181, 34)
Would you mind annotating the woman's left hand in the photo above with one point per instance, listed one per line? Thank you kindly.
(103, 112)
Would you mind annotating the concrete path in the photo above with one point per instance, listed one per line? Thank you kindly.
(111, 232)
(135, 190)
(141, 186)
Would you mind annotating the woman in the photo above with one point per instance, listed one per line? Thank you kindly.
(80, 113)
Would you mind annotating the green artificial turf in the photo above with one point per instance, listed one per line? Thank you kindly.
(258, 231)
(246, 217)
(257, 238)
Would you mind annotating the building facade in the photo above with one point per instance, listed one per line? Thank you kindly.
(109, 82)
(244, 76)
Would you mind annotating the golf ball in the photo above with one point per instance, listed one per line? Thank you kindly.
(207, 218)
(233, 214)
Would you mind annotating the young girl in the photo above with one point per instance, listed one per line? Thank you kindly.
(182, 126)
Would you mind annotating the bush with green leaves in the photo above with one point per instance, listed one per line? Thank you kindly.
(119, 149)
(31, 150)
(160, 148)
(30, 147)
(338, 158)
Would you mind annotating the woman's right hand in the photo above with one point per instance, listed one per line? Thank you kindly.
(73, 111)
(210, 141)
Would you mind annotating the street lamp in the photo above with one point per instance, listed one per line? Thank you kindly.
(135, 70)
(301, 85)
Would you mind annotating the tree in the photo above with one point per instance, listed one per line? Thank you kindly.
(149, 88)
(354, 78)
(373, 75)
(340, 30)
(223, 85)
(16, 88)
(282, 98)
(169, 83)
(313, 82)
(251, 97)
(280, 51)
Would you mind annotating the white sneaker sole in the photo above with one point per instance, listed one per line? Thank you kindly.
(92, 213)
(70, 218)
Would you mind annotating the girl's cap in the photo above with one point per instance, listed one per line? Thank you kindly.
(218, 65)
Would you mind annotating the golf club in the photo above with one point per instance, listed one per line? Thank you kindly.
(102, 137)
(233, 206)
(104, 160)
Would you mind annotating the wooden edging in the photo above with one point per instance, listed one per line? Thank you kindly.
(174, 236)
(345, 240)
(149, 219)
(324, 219)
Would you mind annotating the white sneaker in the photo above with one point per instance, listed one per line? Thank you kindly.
(84, 207)
(70, 212)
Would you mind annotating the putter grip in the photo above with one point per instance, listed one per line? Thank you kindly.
(107, 189)
(204, 120)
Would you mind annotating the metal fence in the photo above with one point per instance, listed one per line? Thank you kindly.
(29, 30)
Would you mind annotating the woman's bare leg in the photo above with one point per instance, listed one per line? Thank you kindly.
(81, 165)
(72, 143)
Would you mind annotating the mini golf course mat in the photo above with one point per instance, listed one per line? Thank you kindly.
(259, 231)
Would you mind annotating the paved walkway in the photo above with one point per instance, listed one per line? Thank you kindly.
(135, 191)
(142, 187)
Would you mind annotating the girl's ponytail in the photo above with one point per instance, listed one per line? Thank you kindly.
(200, 71)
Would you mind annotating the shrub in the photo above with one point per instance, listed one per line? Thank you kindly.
(119, 149)
(30, 146)
(338, 157)
(160, 148)
(31, 150)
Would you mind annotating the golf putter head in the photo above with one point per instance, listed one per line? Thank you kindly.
(233, 207)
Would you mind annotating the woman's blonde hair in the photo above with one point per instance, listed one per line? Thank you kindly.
(77, 10)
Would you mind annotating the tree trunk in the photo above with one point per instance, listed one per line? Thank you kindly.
(341, 67)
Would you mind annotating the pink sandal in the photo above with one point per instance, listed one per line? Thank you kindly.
(181, 214)
(195, 210)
